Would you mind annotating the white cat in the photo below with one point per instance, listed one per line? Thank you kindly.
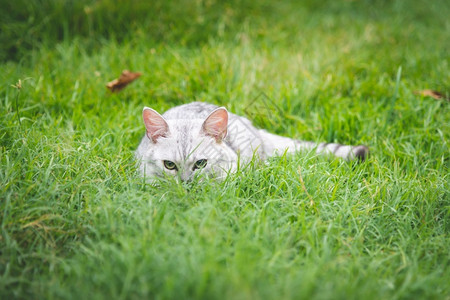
(201, 138)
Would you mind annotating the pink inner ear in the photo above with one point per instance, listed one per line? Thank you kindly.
(216, 124)
(155, 124)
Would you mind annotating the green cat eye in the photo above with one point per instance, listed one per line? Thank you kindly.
(199, 164)
(170, 165)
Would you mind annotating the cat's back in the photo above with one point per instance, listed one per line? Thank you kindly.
(193, 110)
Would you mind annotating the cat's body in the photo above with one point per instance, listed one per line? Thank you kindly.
(201, 138)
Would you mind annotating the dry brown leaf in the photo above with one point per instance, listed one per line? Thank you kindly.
(433, 94)
(125, 79)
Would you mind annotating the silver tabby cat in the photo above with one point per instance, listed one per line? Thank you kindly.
(203, 139)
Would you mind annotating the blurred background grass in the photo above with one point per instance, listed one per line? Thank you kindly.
(27, 25)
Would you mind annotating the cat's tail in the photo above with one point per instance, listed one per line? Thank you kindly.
(347, 152)
(275, 144)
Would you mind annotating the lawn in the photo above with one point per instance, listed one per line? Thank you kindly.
(77, 222)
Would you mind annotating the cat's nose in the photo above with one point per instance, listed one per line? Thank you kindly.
(187, 180)
(185, 177)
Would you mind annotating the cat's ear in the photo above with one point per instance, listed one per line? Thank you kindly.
(216, 124)
(155, 124)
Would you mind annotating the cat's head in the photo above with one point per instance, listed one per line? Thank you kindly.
(186, 148)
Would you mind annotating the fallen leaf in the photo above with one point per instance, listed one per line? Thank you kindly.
(125, 79)
(433, 94)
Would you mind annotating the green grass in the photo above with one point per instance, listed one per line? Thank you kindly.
(78, 222)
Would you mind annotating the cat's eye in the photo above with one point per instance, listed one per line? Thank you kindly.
(201, 163)
(170, 165)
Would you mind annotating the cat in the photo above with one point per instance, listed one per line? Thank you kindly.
(203, 139)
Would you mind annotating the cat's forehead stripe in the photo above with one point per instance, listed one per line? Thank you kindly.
(184, 140)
